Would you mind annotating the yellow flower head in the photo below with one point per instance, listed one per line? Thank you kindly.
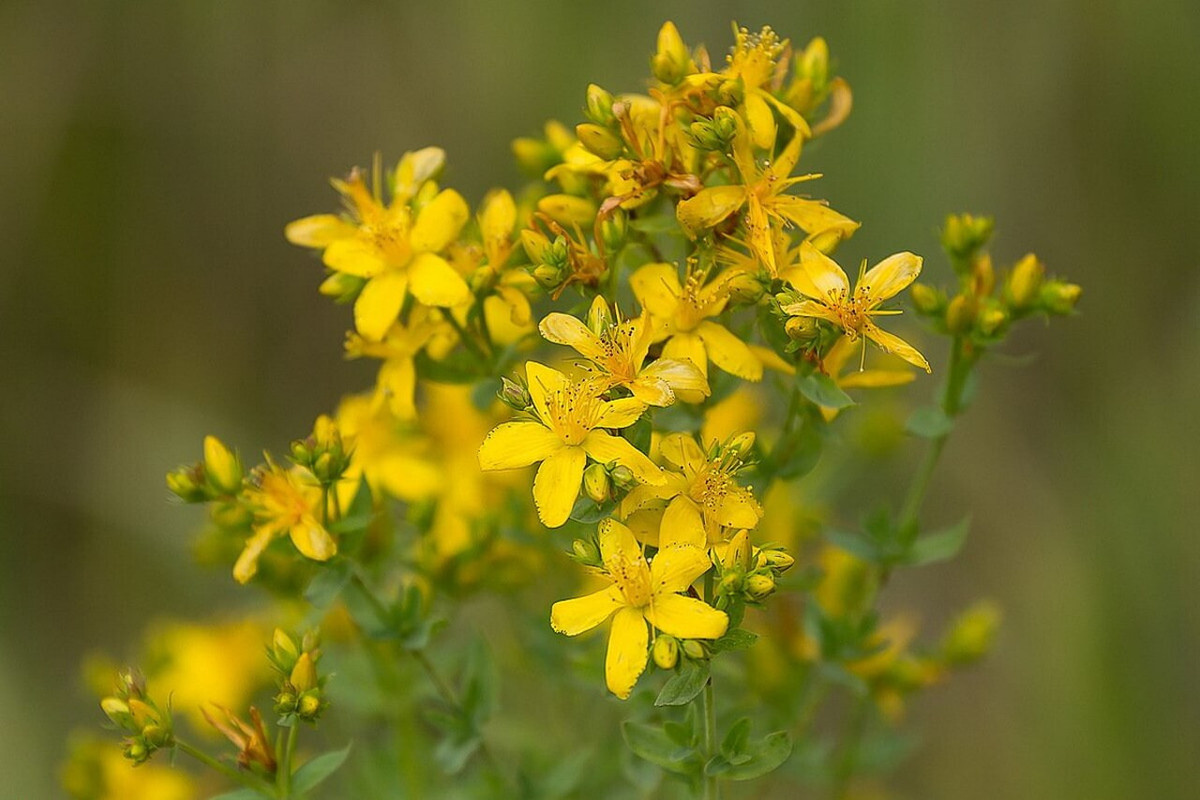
(755, 56)
(568, 429)
(392, 247)
(283, 504)
(397, 381)
(644, 594)
(830, 298)
(618, 353)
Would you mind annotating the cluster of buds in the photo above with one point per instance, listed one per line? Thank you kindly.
(131, 710)
(218, 476)
(667, 650)
(984, 306)
(301, 690)
(323, 452)
(746, 573)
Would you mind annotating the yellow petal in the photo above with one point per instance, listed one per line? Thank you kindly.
(681, 451)
(398, 383)
(687, 347)
(406, 477)
(498, 217)
(543, 381)
(676, 568)
(840, 102)
(876, 379)
(709, 207)
(628, 653)
(354, 256)
(379, 303)
(758, 233)
(682, 525)
(657, 288)
(435, 283)
(416, 167)
(439, 222)
(760, 121)
(319, 230)
(565, 329)
(652, 391)
(645, 496)
(686, 617)
(890, 276)
(313, 540)
(890, 343)
(580, 614)
(739, 509)
(567, 209)
(619, 548)
(812, 216)
(621, 413)
(511, 445)
(247, 562)
(556, 485)
(729, 352)
(825, 274)
(605, 448)
(772, 360)
(812, 308)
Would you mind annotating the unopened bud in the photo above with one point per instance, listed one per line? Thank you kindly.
(926, 299)
(983, 275)
(117, 710)
(548, 276)
(586, 552)
(960, 314)
(142, 713)
(599, 105)
(1058, 297)
(666, 651)
(599, 141)
(693, 649)
(964, 235)
(623, 477)
(613, 230)
(760, 586)
(514, 395)
(189, 484)
(310, 643)
(304, 674)
(991, 319)
(285, 703)
(814, 63)
(596, 484)
(309, 706)
(801, 329)
(1025, 280)
(137, 751)
(970, 636)
(157, 735)
(285, 649)
(672, 61)
(737, 553)
(742, 444)
(745, 289)
(535, 245)
(342, 286)
(535, 156)
(567, 209)
(776, 559)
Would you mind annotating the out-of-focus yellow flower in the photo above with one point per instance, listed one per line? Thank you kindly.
(387, 452)
(846, 582)
(567, 431)
(739, 411)
(397, 381)
(707, 483)
(682, 314)
(643, 594)
(831, 299)
(283, 505)
(619, 355)
(97, 770)
(393, 248)
(838, 358)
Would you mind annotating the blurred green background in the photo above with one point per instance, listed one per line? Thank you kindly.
(150, 155)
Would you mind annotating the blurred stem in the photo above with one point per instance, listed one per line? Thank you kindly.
(848, 758)
(708, 707)
(471, 342)
(959, 370)
(249, 780)
(283, 772)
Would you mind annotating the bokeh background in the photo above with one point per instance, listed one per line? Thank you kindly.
(150, 155)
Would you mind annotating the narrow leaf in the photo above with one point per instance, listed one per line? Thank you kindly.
(929, 422)
(313, 772)
(822, 390)
(684, 685)
(939, 546)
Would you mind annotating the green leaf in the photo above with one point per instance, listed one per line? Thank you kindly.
(653, 745)
(586, 511)
(822, 390)
(733, 746)
(796, 454)
(240, 794)
(765, 755)
(638, 434)
(328, 583)
(360, 513)
(684, 685)
(938, 546)
(857, 544)
(929, 422)
(313, 772)
(736, 639)
(660, 223)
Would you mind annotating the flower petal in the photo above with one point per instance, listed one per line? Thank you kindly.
(686, 617)
(247, 562)
(657, 288)
(439, 222)
(565, 329)
(628, 652)
(620, 413)
(573, 617)
(652, 391)
(687, 347)
(890, 276)
(619, 548)
(825, 274)
(511, 445)
(354, 256)
(739, 509)
(556, 485)
(313, 540)
(729, 352)
(876, 378)
(397, 383)
(812, 216)
(890, 343)
(682, 452)
(677, 374)
(543, 381)
(682, 525)
(379, 303)
(708, 207)
(319, 230)
(674, 569)
(436, 283)
(605, 448)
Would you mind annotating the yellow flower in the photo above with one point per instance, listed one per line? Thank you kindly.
(644, 595)
(394, 249)
(567, 431)
(831, 299)
(388, 453)
(682, 316)
(397, 381)
(619, 353)
(762, 192)
(707, 483)
(97, 770)
(283, 504)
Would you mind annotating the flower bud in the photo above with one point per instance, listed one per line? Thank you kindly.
(567, 209)
(586, 552)
(801, 329)
(142, 713)
(310, 643)
(672, 61)
(342, 286)
(745, 289)
(1058, 297)
(926, 299)
(741, 444)
(1025, 280)
(514, 394)
(983, 275)
(694, 650)
(137, 751)
(118, 711)
(599, 141)
(535, 245)
(309, 706)
(991, 319)
(535, 156)
(548, 276)
(814, 63)
(613, 230)
(963, 236)
(666, 651)
(189, 484)
(157, 735)
(960, 314)
(285, 703)
(599, 105)
(623, 477)
(970, 636)
(760, 586)
(304, 674)
(737, 553)
(596, 484)
(285, 650)
(779, 560)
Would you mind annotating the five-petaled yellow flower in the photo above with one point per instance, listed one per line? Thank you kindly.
(570, 417)
(682, 313)
(644, 595)
(393, 248)
(619, 355)
(829, 298)
(283, 504)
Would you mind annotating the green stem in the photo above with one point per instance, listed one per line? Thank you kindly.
(283, 773)
(246, 779)
(708, 707)
(848, 760)
(470, 341)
